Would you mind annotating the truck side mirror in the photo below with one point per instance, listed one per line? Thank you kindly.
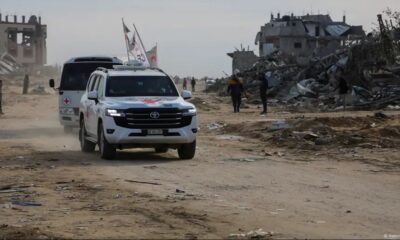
(51, 83)
(186, 94)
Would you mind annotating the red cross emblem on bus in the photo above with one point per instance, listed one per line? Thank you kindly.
(67, 101)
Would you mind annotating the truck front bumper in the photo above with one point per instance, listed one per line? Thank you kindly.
(117, 135)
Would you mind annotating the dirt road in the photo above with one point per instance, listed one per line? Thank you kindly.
(243, 178)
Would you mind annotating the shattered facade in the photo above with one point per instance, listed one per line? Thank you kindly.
(25, 41)
(242, 60)
(305, 36)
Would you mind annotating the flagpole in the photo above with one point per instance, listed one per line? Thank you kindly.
(157, 54)
(126, 40)
(140, 39)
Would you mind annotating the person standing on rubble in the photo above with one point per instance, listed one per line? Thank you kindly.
(342, 86)
(193, 83)
(1, 96)
(235, 89)
(263, 91)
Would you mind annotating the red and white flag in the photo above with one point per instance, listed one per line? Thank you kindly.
(152, 57)
(135, 46)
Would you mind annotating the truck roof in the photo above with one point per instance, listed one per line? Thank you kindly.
(138, 72)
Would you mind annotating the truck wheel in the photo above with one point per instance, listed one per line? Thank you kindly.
(187, 151)
(107, 151)
(161, 149)
(68, 130)
(86, 146)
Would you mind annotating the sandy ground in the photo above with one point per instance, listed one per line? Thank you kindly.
(244, 177)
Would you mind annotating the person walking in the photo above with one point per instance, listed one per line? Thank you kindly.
(263, 91)
(1, 96)
(193, 83)
(235, 89)
(184, 85)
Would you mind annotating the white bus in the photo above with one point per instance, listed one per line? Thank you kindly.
(74, 77)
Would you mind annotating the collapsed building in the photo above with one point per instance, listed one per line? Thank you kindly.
(22, 42)
(307, 60)
(242, 59)
(306, 36)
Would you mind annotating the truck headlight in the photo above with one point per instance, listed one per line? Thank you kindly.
(66, 111)
(189, 112)
(115, 113)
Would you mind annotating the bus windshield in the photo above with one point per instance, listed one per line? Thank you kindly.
(75, 75)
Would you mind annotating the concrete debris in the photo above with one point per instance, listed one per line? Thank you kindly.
(278, 125)
(8, 64)
(27, 204)
(39, 90)
(256, 234)
(215, 126)
(249, 159)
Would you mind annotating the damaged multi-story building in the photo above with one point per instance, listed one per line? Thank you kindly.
(305, 36)
(23, 40)
(242, 59)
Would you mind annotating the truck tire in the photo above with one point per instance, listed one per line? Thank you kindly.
(161, 149)
(107, 151)
(86, 146)
(187, 151)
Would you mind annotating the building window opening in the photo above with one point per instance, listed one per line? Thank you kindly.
(317, 33)
(20, 38)
(297, 45)
(27, 39)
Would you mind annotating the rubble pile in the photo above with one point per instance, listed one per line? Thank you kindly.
(8, 64)
(368, 68)
(316, 134)
(372, 82)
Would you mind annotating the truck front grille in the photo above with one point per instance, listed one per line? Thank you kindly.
(144, 119)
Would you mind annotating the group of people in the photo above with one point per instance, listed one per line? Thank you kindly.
(192, 82)
(236, 89)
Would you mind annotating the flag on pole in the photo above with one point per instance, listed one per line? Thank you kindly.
(152, 57)
(134, 45)
(138, 51)
(128, 45)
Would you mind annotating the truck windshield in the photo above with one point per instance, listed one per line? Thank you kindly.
(140, 86)
(75, 75)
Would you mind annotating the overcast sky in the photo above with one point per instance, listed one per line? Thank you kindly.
(193, 36)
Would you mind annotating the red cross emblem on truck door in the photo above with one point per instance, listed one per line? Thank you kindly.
(67, 101)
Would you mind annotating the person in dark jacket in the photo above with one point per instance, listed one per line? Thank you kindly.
(235, 89)
(342, 86)
(193, 83)
(263, 91)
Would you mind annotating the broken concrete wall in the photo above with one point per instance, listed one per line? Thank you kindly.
(243, 60)
(24, 40)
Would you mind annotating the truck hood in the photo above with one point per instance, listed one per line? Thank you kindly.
(147, 102)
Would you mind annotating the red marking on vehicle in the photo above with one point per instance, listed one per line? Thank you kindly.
(151, 101)
(66, 101)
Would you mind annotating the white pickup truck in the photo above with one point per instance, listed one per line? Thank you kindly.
(135, 107)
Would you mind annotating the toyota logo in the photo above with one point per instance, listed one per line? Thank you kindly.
(155, 115)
